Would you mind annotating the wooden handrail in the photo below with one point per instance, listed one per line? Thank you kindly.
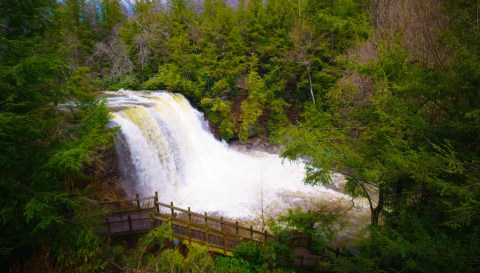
(220, 220)
(220, 228)
(126, 200)
(126, 220)
(196, 226)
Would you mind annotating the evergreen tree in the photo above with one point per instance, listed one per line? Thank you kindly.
(41, 162)
(393, 128)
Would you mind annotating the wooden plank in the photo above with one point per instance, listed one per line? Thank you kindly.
(126, 200)
(128, 220)
(113, 212)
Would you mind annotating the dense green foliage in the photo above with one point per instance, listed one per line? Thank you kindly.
(247, 65)
(402, 126)
(44, 153)
(156, 253)
(384, 92)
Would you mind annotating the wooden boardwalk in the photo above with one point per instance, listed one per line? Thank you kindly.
(140, 215)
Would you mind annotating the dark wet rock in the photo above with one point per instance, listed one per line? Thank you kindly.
(256, 144)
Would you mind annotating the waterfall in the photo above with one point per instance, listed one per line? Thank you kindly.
(164, 145)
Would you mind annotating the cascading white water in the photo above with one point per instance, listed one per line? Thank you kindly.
(171, 150)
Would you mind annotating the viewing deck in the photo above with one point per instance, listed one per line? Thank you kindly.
(140, 215)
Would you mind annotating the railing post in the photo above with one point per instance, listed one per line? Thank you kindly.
(224, 244)
(108, 228)
(236, 227)
(189, 228)
(222, 224)
(251, 232)
(206, 229)
(138, 201)
(152, 224)
(129, 224)
(155, 203)
(172, 215)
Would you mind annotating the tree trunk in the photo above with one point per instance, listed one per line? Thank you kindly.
(311, 85)
(375, 212)
(375, 215)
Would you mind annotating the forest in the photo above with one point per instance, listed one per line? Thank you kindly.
(385, 92)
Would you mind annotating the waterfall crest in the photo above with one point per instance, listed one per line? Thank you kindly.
(165, 146)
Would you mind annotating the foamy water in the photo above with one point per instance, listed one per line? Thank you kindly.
(170, 150)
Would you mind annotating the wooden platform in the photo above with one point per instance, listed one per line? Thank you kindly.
(140, 215)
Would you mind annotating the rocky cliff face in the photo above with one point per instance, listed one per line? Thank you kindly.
(104, 182)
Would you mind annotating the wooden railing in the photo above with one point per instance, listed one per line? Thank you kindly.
(130, 204)
(216, 223)
(140, 215)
